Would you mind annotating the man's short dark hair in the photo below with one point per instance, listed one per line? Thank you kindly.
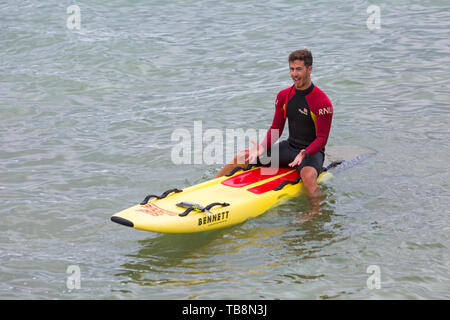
(303, 55)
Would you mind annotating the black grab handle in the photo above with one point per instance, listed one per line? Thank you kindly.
(184, 214)
(333, 164)
(165, 194)
(283, 184)
(209, 206)
(243, 169)
(203, 209)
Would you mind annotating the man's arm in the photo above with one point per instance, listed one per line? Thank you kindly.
(276, 129)
(324, 116)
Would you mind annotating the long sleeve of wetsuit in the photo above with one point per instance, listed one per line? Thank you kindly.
(276, 129)
(323, 111)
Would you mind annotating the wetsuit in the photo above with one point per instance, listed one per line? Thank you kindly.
(309, 113)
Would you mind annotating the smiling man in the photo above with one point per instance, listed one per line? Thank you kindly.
(309, 113)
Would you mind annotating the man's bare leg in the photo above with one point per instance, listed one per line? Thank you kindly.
(312, 190)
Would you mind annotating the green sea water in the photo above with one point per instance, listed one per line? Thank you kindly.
(86, 123)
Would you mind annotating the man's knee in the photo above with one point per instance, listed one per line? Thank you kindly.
(309, 175)
(309, 179)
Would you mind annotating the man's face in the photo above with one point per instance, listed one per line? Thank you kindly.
(300, 74)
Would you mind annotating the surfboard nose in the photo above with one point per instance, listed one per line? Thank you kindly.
(122, 221)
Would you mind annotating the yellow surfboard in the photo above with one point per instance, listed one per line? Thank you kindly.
(220, 202)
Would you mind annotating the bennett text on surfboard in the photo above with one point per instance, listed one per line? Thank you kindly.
(216, 217)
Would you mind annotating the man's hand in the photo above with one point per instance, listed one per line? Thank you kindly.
(253, 153)
(298, 159)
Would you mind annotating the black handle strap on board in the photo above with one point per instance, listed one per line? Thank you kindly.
(250, 166)
(165, 194)
(198, 208)
(285, 183)
(333, 164)
(209, 206)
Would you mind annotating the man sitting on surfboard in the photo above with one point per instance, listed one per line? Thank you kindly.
(309, 113)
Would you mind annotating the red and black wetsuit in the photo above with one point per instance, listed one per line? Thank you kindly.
(309, 113)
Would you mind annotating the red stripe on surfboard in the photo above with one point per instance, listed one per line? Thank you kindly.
(274, 183)
(250, 177)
